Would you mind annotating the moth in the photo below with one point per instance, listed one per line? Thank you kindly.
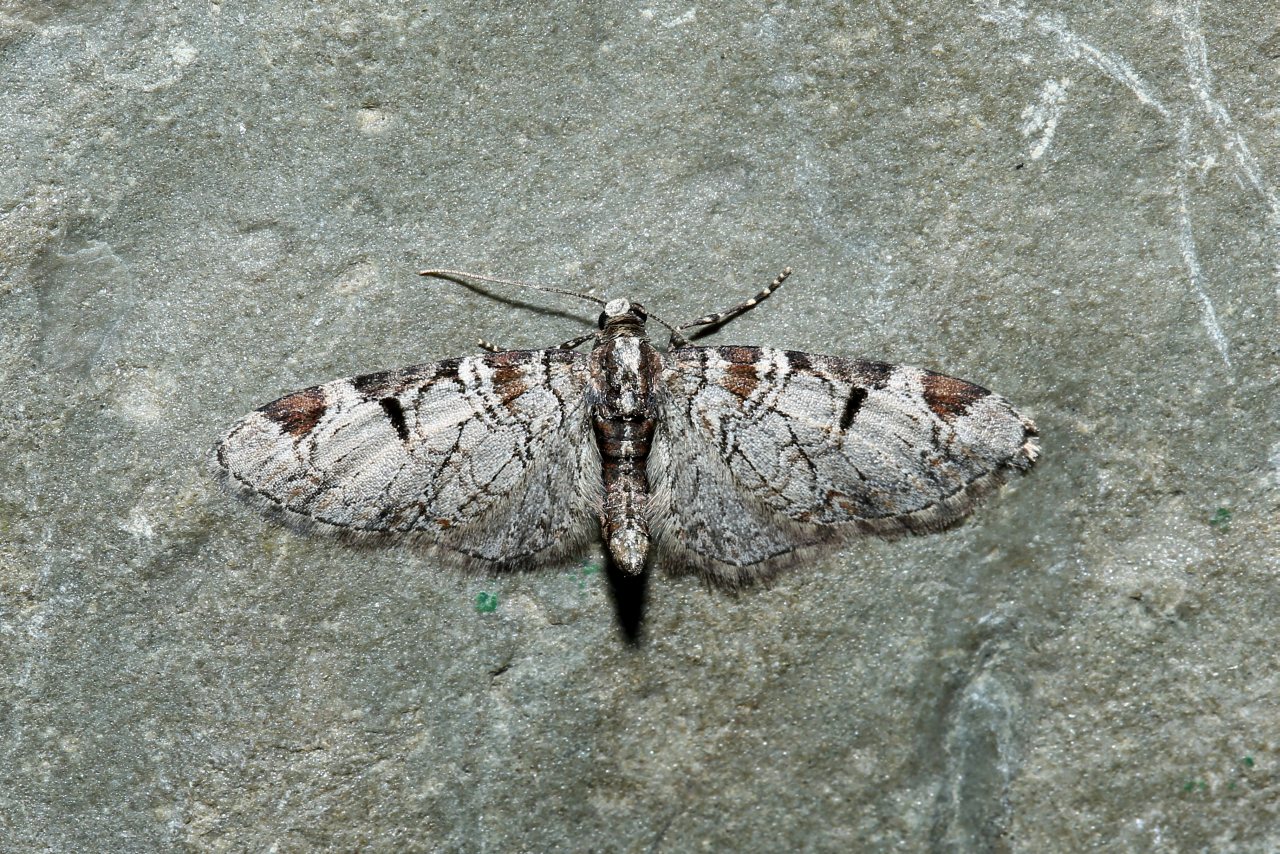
(732, 462)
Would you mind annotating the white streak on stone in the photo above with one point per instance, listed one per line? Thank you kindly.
(1187, 243)
(1196, 56)
(1115, 67)
(1042, 116)
(689, 16)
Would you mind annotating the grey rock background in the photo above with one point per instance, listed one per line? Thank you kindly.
(204, 205)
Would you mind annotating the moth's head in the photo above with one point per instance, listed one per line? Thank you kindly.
(619, 312)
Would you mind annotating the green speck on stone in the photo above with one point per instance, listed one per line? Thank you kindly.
(1221, 519)
(584, 572)
(1248, 761)
(486, 603)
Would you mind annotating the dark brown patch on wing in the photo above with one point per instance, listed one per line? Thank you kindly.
(509, 382)
(741, 380)
(511, 374)
(948, 397)
(297, 413)
(740, 374)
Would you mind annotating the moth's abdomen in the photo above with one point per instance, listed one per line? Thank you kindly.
(624, 448)
(624, 439)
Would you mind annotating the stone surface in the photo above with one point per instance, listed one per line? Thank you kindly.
(205, 205)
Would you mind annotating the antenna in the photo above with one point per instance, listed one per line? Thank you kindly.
(463, 274)
(457, 275)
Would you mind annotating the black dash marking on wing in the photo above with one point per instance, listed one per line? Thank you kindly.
(851, 406)
(395, 414)
(875, 374)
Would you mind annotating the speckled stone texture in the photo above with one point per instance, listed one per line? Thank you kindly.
(204, 205)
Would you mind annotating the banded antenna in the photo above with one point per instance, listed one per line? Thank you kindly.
(457, 275)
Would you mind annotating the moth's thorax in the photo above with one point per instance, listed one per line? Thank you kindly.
(624, 376)
(625, 370)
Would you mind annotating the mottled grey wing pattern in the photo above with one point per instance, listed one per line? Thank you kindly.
(763, 454)
(489, 458)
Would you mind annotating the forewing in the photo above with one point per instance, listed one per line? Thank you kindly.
(487, 457)
(764, 454)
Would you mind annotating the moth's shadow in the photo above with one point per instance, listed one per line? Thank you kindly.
(628, 593)
(507, 299)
